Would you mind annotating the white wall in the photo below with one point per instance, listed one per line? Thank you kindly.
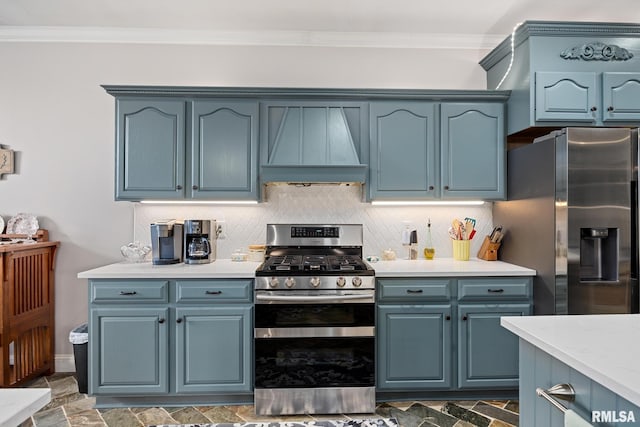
(60, 122)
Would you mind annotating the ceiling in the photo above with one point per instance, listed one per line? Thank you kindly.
(393, 23)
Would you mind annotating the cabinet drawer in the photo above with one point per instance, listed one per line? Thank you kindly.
(123, 291)
(495, 288)
(193, 291)
(413, 289)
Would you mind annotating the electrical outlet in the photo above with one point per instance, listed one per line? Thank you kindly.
(220, 230)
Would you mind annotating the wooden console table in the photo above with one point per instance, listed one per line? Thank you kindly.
(27, 333)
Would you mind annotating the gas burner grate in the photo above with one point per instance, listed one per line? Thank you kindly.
(284, 263)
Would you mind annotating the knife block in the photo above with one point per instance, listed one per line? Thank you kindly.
(488, 250)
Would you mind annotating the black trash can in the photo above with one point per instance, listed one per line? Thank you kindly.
(79, 337)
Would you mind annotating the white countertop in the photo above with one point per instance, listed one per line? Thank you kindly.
(603, 347)
(18, 404)
(224, 268)
(439, 267)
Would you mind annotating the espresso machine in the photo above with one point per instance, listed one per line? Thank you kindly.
(199, 241)
(166, 242)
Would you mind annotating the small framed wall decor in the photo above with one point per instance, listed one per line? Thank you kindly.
(6, 161)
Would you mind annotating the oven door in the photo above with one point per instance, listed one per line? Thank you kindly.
(310, 339)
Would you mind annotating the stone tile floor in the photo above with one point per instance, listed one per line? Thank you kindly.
(70, 408)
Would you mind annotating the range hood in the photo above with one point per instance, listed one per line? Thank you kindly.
(311, 143)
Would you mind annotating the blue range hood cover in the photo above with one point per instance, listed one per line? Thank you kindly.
(310, 143)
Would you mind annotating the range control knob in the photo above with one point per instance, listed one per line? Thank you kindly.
(290, 282)
(356, 281)
(314, 281)
(273, 282)
(340, 281)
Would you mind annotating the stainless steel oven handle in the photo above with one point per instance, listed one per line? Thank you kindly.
(307, 298)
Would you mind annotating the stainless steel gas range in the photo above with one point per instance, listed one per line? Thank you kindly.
(314, 322)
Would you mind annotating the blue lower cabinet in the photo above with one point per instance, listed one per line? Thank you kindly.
(213, 349)
(170, 338)
(488, 353)
(437, 334)
(414, 347)
(129, 351)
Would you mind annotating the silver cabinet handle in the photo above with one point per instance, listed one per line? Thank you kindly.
(558, 391)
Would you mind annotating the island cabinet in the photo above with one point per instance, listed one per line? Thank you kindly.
(169, 337)
(437, 150)
(444, 334)
(178, 148)
(568, 74)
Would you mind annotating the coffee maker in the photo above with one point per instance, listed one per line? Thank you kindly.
(199, 241)
(166, 242)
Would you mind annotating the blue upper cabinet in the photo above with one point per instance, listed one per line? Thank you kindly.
(472, 145)
(621, 97)
(437, 150)
(224, 150)
(174, 146)
(404, 154)
(568, 73)
(150, 149)
(566, 96)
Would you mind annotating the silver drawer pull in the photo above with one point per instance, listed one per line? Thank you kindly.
(128, 292)
(558, 391)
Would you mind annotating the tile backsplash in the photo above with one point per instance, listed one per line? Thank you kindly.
(243, 225)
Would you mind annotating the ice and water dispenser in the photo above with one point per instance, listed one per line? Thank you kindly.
(599, 254)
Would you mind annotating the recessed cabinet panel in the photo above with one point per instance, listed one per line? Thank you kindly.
(621, 96)
(224, 150)
(488, 353)
(150, 149)
(212, 354)
(403, 153)
(473, 150)
(129, 351)
(566, 96)
(414, 347)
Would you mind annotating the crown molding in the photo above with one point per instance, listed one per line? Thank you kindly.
(247, 38)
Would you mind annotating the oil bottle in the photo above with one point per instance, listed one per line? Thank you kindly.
(429, 250)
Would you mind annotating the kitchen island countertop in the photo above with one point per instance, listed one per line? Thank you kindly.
(602, 347)
(224, 268)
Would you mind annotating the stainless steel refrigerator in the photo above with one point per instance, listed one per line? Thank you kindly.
(572, 215)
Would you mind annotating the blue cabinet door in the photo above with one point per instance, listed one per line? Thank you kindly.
(488, 353)
(566, 96)
(128, 351)
(413, 347)
(621, 97)
(224, 150)
(473, 147)
(150, 149)
(403, 150)
(214, 349)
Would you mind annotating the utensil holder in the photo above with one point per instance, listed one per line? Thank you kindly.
(461, 249)
(488, 250)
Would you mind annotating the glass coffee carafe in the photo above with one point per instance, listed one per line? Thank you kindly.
(199, 247)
